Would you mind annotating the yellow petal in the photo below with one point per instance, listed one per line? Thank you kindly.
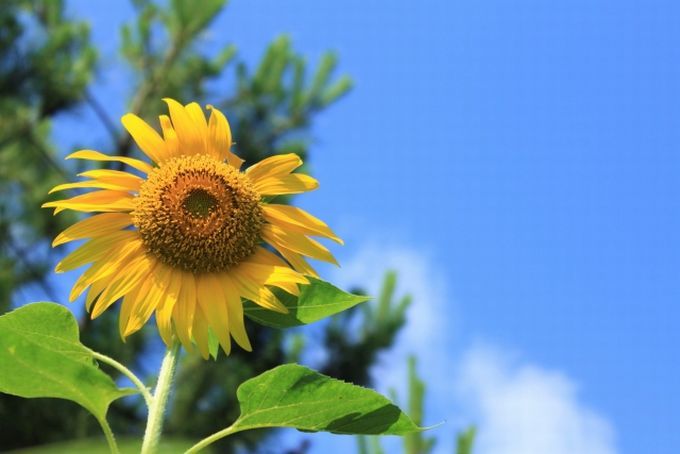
(297, 243)
(184, 310)
(277, 276)
(274, 166)
(110, 175)
(188, 135)
(295, 183)
(200, 331)
(95, 290)
(265, 257)
(219, 138)
(97, 156)
(124, 279)
(258, 294)
(170, 136)
(262, 267)
(200, 125)
(297, 261)
(211, 300)
(129, 302)
(235, 308)
(93, 226)
(299, 220)
(166, 306)
(125, 179)
(105, 267)
(97, 201)
(142, 311)
(88, 185)
(146, 137)
(95, 249)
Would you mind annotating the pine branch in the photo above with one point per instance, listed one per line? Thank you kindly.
(32, 271)
(102, 115)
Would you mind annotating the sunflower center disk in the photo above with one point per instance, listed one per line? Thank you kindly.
(198, 214)
(199, 203)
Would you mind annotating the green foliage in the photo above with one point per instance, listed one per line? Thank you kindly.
(49, 67)
(369, 445)
(274, 105)
(416, 443)
(160, 45)
(41, 356)
(295, 396)
(46, 62)
(465, 441)
(317, 300)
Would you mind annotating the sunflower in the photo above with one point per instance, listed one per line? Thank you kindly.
(188, 235)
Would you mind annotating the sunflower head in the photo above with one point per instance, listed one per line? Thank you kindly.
(199, 214)
(187, 235)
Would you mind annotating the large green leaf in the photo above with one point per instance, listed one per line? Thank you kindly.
(317, 300)
(295, 396)
(41, 356)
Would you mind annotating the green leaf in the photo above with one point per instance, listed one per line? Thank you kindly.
(295, 396)
(317, 300)
(41, 356)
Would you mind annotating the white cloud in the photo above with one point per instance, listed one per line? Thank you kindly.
(518, 408)
(416, 276)
(525, 409)
(427, 333)
(430, 318)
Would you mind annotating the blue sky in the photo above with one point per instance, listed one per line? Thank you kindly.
(518, 161)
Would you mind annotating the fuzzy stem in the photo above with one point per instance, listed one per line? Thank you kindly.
(154, 423)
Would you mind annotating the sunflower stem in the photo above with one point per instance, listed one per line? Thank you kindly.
(154, 423)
